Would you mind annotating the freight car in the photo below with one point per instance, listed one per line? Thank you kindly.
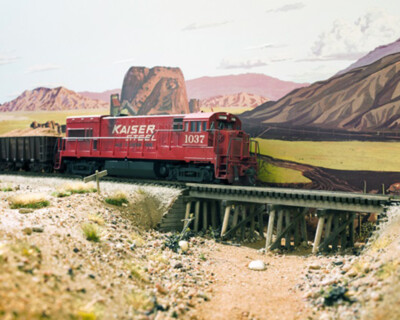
(201, 147)
(27, 153)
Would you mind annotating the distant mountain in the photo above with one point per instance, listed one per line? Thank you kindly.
(158, 90)
(374, 55)
(242, 99)
(45, 99)
(103, 96)
(259, 84)
(363, 99)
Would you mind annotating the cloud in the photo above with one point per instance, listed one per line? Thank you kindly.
(288, 7)
(7, 59)
(42, 68)
(351, 56)
(265, 46)
(196, 26)
(351, 40)
(244, 64)
(124, 60)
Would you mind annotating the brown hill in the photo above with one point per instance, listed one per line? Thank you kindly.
(364, 99)
(234, 100)
(259, 84)
(103, 96)
(45, 99)
(158, 90)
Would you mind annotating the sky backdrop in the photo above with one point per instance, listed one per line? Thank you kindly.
(88, 45)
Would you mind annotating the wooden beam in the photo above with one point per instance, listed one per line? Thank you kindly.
(328, 226)
(196, 216)
(336, 232)
(318, 234)
(260, 221)
(205, 213)
(270, 229)
(280, 221)
(303, 226)
(187, 213)
(236, 215)
(252, 221)
(351, 230)
(214, 214)
(288, 232)
(249, 218)
(226, 220)
(278, 240)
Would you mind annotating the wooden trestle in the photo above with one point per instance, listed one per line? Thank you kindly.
(239, 213)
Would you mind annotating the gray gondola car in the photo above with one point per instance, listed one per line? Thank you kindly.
(27, 153)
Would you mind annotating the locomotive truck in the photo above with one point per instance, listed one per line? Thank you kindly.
(198, 147)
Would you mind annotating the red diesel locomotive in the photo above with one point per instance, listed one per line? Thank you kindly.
(200, 147)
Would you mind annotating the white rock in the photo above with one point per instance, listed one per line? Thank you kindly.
(184, 245)
(257, 265)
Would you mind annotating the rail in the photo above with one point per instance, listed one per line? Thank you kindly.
(329, 200)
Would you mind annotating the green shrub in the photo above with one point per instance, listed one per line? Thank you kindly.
(30, 200)
(117, 199)
(91, 232)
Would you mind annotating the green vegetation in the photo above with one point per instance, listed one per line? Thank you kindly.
(273, 174)
(91, 232)
(6, 189)
(341, 155)
(30, 200)
(118, 198)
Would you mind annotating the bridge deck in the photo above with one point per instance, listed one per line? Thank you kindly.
(329, 200)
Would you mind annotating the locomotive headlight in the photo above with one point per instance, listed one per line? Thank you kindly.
(233, 119)
(222, 117)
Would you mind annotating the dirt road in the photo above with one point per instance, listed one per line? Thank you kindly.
(241, 293)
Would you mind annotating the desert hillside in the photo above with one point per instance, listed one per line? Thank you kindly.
(259, 84)
(241, 99)
(374, 55)
(159, 90)
(46, 99)
(363, 99)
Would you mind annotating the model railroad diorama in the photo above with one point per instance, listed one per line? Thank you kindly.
(206, 148)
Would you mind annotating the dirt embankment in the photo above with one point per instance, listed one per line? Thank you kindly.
(50, 269)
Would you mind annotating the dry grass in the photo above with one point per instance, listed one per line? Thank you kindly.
(28, 200)
(75, 187)
(91, 232)
(388, 269)
(147, 209)
(138, 273)
(137, 239)
(118, 198)
(96, 218)
(140, 301)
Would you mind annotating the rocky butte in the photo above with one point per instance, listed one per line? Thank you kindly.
(159, 90)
